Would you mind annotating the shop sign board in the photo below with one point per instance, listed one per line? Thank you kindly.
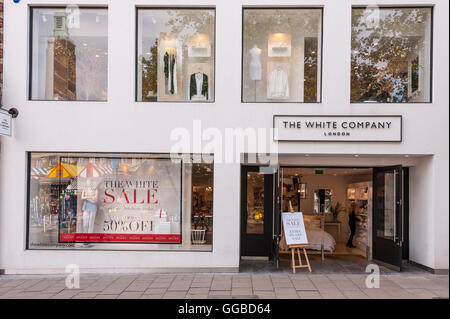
(338, 128)
(5, 124)
(140, 205)
(294, 229)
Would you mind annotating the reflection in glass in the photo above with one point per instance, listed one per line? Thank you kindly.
(385, 197)
(322, 200)
(175, 54)
(391, 56)
(281, 55)
(255, 203)
(69, 54)
(202, 203)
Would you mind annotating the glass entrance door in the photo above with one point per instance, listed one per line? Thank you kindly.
(388, 215)
(256, 212)
(277, 215)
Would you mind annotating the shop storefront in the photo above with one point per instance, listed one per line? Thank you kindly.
(173, 138)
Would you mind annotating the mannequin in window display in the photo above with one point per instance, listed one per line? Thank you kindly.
(89, 208)
(255, 63)
(198, 86)
(278, 87)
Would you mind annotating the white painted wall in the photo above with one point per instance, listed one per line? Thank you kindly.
(122, 125)
(421, 182)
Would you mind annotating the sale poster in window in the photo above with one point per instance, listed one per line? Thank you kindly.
(127, 203)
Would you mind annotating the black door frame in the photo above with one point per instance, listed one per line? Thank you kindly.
(258, 245)
(276, 216)
(405, 232)
(386, 251)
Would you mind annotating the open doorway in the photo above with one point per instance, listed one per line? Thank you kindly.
(352, 215)
(337, 207)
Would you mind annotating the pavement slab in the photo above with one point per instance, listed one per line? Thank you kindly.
(260, 284)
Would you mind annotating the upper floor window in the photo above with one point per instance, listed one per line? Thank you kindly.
(175, 55)
(281, 55)
(391, 55)
(69, 54)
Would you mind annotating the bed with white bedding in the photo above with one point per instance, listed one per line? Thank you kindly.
(318, 239)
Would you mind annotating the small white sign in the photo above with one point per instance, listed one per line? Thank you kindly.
(5, 124)
(338, 128)
(294, 229)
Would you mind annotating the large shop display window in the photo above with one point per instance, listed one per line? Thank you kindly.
(391, 55)
(69, 54)
(123, 202)
(175, 55)
(281, 55)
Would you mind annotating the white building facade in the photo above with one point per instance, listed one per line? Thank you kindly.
(117, 122)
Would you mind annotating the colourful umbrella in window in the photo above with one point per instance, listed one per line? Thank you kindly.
(63, 170)
(90, 170)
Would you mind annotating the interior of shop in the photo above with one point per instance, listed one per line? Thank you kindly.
(332, 200)
(202, 204)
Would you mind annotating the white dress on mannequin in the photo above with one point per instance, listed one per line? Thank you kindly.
(255, 63)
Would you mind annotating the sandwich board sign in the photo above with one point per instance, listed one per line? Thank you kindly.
(5, 124)
(294, 229)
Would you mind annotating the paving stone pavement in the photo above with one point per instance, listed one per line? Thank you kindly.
(415, 285)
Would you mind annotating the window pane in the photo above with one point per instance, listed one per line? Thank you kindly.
(175, 54)
(255, 203)
(69, 54)
(202, 203)
(385, 197)
(281, 58)
(129, 202)
(391, 55)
